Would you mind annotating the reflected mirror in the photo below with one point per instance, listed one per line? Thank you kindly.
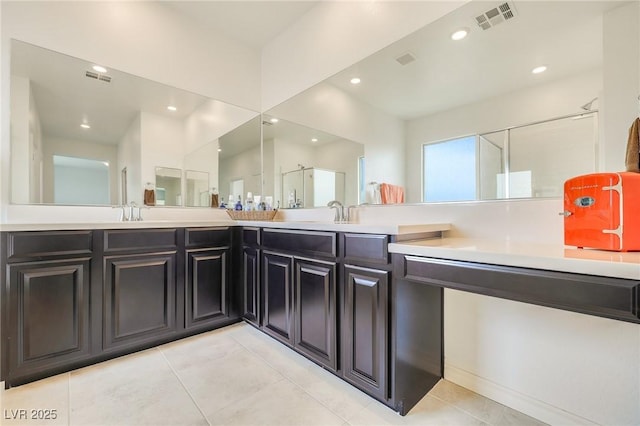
(197, 189)
(168, 186)
(240, 162)
(69, 119)
(468, 119)
(304, 167)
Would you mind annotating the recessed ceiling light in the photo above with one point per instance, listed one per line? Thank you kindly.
(459, 34)
(314, 140)
(172, 108)
(219, 149)
(100, 69)
(85, 126)
(106, 163)
(355, 80)
(538, 70)
(274, 120)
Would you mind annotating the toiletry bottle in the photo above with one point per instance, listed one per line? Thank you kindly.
(222, 204)
(249, 202)
(238, 206)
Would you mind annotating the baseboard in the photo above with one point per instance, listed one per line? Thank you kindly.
(530, 406)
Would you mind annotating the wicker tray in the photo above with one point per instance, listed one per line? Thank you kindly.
(252, 215)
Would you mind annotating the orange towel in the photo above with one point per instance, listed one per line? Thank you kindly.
(391, 194)
(632, 158)
(214, 200)
(149, 197)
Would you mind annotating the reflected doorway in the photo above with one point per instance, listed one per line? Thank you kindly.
(78, 181)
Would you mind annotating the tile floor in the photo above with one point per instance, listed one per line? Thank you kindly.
(232, 376)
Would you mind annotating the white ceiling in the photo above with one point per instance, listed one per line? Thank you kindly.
(564, 35)
(253, 23)
(567, 36)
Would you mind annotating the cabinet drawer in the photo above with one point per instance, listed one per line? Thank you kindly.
(608, 297)
(366, 247)
(137, 239)
(41, 244)
(251, 236)
(207, 237)
(303, 242)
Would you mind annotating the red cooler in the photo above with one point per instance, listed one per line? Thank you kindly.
(602, 211)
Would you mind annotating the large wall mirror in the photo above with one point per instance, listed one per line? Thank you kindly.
(75, 128)
(468, 119)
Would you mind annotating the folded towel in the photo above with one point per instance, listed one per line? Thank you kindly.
(214, 200)
(632, 159)
(391, 194)
(149, 197)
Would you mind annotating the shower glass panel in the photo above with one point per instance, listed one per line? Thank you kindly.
(543, 156)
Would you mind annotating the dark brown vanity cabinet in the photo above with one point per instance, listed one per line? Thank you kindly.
(300, 293)
(365, 330)
(139, 286)
(366, 313)
(45, 312)
(208, 295)
(251, 294)
(315, 316)
(73, 298)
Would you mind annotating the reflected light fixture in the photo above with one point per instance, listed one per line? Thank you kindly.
(172, 108)
(355, 80)
(100, 69)
(85, 126)
(274, 120)
(540, 69)
(459, 34)
(314, 140)
(219, 149)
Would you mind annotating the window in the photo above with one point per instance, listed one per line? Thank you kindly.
(449, 169)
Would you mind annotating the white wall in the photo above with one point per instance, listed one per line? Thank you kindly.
(334, 35)
(555, 99)
(161, 146)
(79, 149)
(621, 82)
(20, 155)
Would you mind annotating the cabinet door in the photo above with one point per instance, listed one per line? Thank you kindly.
(315, 311)
(48, 321)
(206, 287)
(277, 275)
(251, 284)
(139, 298)
(365, 330)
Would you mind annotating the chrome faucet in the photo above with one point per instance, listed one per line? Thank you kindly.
(335, 204)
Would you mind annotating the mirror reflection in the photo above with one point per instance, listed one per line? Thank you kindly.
(468, 119)
(305, 167)
(79, 128)
(197, 189)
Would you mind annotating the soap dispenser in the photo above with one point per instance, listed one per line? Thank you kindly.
(238, 206)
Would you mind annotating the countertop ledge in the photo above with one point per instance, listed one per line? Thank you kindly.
(390, 229)
(553, 257)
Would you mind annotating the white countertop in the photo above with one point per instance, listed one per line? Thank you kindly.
(554, 257)
(389, 229)
(114, 225)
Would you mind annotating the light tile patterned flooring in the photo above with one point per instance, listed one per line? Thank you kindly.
(232, 376)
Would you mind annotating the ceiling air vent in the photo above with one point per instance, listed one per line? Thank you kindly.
(96, 76)
(496, 16)
(406, 58)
